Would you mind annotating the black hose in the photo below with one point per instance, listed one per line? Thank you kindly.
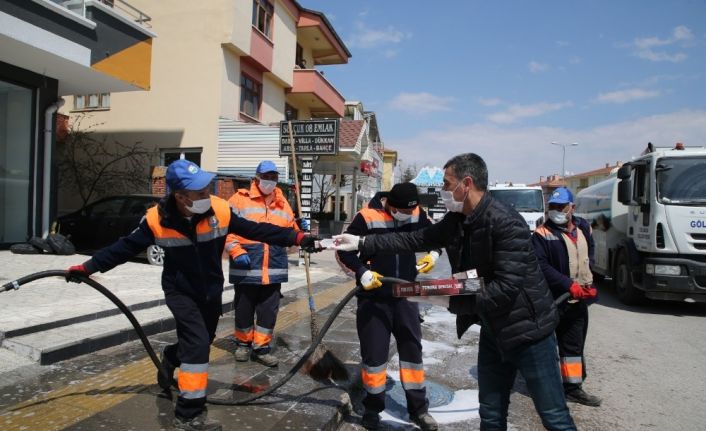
(14, 285)
(108, 294)
(148, 347)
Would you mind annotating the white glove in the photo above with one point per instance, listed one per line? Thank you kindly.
(370, 280)
(346, 242)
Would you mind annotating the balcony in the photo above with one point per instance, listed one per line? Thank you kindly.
(88, 46)
(312, 90)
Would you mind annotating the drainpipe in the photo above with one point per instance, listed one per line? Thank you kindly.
(46, 174)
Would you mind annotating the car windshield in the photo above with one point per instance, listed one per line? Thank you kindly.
(521, 200)
(681, 180)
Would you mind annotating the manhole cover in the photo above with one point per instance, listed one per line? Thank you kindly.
(437, 394)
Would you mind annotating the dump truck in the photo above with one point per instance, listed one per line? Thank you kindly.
(649, 225)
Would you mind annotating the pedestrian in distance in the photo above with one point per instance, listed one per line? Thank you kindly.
(380, 315)
(191, 226)
(257, 270)
(564, 247)
(515, 308)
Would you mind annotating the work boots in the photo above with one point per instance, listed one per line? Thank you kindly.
(370, 420)
(425, 422)
(197, 423)
(578, 395)
(162, 380)
(242, 353)
(266, 359)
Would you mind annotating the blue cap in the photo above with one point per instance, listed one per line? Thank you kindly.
(185, 175)
(266, 166)
(562, 195)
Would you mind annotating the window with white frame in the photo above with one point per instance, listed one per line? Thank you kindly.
(170, 155)
(85, 102)
(262, 16)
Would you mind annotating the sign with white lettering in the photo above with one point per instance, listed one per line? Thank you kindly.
(314, 137)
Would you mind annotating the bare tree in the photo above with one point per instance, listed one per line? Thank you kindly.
(409, 172)
(93, 168)
(326, 186)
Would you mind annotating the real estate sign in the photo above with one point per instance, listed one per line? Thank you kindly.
(311, 137)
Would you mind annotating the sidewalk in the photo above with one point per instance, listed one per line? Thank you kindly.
(50, 320)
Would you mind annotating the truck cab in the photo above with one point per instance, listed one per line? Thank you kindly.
(526, 200)
(649, 225)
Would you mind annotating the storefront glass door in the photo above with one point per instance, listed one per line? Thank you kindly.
(15, 151)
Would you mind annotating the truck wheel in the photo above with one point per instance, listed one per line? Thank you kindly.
(155, 255)
(622, 280)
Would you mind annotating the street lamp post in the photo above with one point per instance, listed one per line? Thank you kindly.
(563, 156)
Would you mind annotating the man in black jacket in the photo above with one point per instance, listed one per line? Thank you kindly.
(516, 308)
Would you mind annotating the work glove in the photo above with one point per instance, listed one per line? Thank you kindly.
(75, 270)
(582, 292)
(370, 280)
(347, 242)
(426, 263)
(590, 292)
(304, 224)
(242, 261)
(308, 242)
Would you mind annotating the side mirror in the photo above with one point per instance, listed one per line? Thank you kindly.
(625, 171)
(625, 192)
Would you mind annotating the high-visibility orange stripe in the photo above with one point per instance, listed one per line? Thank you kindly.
(192, 381)
(261, 339)
(266, 264)
(374, 380)
(244, 336)
(411, 376)
(571, 369)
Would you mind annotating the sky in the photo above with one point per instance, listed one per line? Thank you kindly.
(505, 79)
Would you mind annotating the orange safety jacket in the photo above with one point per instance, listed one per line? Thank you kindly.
(268, 263)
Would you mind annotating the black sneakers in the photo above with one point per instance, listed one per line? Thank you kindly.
(578, 395)
(197, 423)
(425, 422)
(162, 381)
(370, 420)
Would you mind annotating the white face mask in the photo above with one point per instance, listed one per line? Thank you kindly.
(558, 217)
(266, 186)
(450, 203)
(400, 216)
(200, 206)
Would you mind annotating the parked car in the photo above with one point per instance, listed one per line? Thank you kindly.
(103, 222)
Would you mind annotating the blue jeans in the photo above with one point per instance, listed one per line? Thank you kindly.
(539, 365)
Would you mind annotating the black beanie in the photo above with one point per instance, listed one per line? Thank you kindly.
(403, 195)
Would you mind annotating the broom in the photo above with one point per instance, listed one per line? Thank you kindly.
(322, 363)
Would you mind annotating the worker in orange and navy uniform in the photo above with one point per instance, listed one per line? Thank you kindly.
(191, 226)
(564, 248)
(379, 314)
(258, 270)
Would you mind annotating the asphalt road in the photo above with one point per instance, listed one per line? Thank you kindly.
(647, 362)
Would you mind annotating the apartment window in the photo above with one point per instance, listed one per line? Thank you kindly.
(92, 101)
(168, 156)
(262, 16)
(250, 96)
(299, 61)
(292, 110)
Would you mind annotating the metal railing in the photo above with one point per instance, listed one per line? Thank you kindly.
(79, 7)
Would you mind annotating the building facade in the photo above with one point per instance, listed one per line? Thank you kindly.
(50, 49)
(225, 73)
